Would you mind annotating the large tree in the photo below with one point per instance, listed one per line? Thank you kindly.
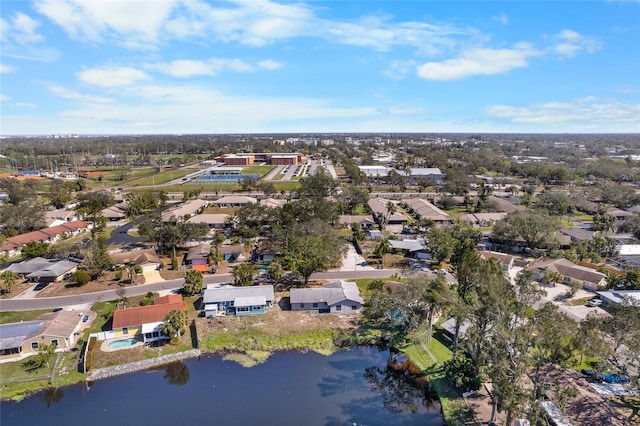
(174, 324)
(526, 229)
(168, 235)
(319, 185)
(97, 259)
(192, 282)
(243, 274)
(313, 247)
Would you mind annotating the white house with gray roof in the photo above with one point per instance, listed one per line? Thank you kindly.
(335, 297)
(232, 300)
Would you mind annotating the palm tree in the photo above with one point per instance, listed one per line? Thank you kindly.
(243, 274)
(383, 247)
(9, 278)
(553, 277)
(174, 324)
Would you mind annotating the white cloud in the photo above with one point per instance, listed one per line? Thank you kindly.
(184, 68)
(480, 61)
(270, 64)
(186, 108)
(5, 69)
(20, 29)
(26, 105)
(131, 23)
(21, 40)
(142, 24)
(569, 43)
(399, 69)
(72, 94)
(111, 76)
(501, 19)
(4, 98)
(586, 113)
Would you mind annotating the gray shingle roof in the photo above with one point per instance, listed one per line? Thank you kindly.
(54, 269)
(12, 335)
(332, 293)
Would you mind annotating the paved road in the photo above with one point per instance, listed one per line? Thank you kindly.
(138, 290)
(119, 236)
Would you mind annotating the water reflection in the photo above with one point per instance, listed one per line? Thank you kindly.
(52, 395)
(177, 373)
(402, 391)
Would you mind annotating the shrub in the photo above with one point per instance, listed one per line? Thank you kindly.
(461, 372)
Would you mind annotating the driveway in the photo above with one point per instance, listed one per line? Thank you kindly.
(352, 261)
(577, 312)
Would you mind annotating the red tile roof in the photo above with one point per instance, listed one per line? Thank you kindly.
(148, 314)
(46, 233)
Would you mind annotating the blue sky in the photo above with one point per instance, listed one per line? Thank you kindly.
(192, 66)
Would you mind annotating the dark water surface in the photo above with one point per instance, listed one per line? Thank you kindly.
(347, 388)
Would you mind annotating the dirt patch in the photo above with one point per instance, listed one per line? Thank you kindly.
(276, 322)
(107, 281)
(583, 406)
(391, 260)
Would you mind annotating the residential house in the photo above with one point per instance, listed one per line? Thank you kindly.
(59, 217)
(578, 234)
(380, 208)
(54, 271)
(616, 297)
(213, 220)
(424, 210)
(588, 277)
(364, 221)
(505, 205)
(41, 269)
(145, 322)
(483, 219)
(449, 329)
(115, 213)
(231, 253)
(13, 245)
(198, 256)
(184, 211)
(411, 248)
(234, 201)
(335, 297)
(146, 258)
(507, 262)
(272, 202)
(232, 300)
(60, 328)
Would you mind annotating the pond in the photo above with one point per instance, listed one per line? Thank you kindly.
(349, 387)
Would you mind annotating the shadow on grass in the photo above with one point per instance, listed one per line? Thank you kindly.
(194, 334)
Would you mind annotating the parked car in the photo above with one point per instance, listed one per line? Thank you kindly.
(594, 302)
(592, 376)
(40, 286)
(85, 318)
(616, 378)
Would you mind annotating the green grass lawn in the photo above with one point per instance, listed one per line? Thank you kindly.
(158, 178)
(429, 357)
(15, 316)
(286, 186)
(17, 381)
(256, 170)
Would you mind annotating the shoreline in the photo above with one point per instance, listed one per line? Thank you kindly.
(132, 367)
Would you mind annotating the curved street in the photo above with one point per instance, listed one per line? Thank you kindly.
(138, 290)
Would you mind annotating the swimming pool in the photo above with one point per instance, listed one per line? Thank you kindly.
(119, 344)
